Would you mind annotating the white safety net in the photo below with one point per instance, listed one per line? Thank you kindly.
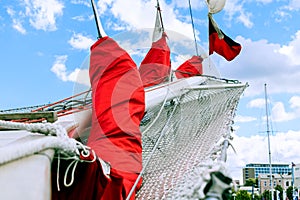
(180, 135)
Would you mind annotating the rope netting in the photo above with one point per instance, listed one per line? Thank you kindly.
(184, 136)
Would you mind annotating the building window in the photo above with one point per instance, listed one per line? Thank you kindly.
(265, 183)
(287, 184)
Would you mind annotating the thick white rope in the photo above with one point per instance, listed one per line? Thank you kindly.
(61, 140)
(162, 106)
(57, 139)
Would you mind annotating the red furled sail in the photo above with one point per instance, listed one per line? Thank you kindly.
(118, 106)
(191, 67)
(225, 47)
(156, 66)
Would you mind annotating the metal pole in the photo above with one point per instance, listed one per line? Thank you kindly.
(193, 26)
(252, 191)
(269, 145)
(97, 20)
(293, 191)
(234, 195)
(160, 16)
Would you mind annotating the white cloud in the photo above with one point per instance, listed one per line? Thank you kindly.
(279, 113)
(103, 5)
(59, 68)
(262, 62)
(281, 15)
(18, 26)
(79, 18)
(294, 5)
(264, 1)
(42, 14)
(234, 10)
(254, 149)
(81, 2)
(17, 23)
(256, 103)
(245, 19)
(119, 9)
(240, 118)
(10, 11)
(295, 102)
(80, 76)
(81, 42)
(292, 50)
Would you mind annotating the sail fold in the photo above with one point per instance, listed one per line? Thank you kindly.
(191, 67)
(156, 66)
(118, 106)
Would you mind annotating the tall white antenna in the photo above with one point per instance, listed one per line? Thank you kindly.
(269, 145)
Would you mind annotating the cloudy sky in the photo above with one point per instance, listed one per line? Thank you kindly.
(44, 43)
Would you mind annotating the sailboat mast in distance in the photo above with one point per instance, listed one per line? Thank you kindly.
(269, 145)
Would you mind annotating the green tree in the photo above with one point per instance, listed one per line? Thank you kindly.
(251, 182)
(257, 197)
(289, 192)
(267, 195)
(280, 189)
(242, 195)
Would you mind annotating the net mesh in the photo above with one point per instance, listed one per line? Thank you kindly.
(180, 135)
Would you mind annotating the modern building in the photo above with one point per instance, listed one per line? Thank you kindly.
(283, 180)
(297, 176)
(252, 170)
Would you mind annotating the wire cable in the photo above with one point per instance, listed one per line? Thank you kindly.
(196, 47)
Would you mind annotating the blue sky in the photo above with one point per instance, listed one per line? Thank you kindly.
(43, 45)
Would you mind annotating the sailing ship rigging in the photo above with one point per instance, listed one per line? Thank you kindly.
(140, 132)
(269, 143)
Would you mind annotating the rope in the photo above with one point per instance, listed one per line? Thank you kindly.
(63, 100)
(162, 133)
(186, 138)
(67, 146)
(84, 153)
(196, 47)
(161, 108)
(60, 141)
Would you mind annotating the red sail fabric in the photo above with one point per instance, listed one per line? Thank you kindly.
(191, 67)
(118, 99)
(156, 66)
(225, 47)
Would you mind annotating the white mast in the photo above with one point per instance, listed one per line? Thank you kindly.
(269, 146)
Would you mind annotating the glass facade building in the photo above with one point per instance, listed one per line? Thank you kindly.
(252, 170)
